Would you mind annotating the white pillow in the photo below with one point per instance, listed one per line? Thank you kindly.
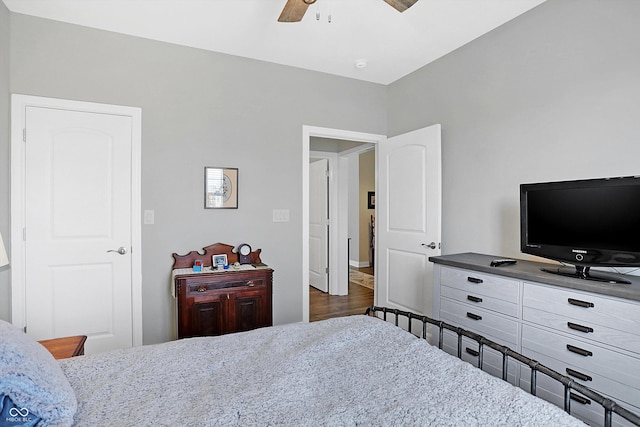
(33, 379)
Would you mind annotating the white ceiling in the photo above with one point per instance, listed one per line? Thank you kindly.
(393, 44)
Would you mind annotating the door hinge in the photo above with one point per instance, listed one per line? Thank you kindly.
(24, 234)
(24, 134)
(326, 270)
(25, 329)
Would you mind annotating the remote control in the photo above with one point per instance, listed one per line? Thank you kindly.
(504, 261)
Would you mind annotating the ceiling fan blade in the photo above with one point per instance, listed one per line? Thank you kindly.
(294, 10)
(401, 5)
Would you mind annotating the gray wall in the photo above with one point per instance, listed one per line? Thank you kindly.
(5, 273)
(200, 109)
(551, 95)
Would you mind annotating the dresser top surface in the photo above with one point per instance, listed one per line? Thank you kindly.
(531, 271)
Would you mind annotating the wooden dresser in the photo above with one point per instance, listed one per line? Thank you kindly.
(62, 348)
(216, 302)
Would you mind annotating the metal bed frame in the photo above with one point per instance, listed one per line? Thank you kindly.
(569, 384)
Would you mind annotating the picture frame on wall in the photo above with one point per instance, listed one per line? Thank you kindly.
(371, 199)
(220, 188)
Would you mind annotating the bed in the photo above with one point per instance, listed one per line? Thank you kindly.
(355, 370)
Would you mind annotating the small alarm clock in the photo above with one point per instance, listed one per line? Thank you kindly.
(244, 254)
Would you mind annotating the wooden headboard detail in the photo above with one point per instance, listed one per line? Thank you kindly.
(186, 261)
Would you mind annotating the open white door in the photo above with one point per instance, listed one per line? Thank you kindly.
(318, 225)
(408, 205)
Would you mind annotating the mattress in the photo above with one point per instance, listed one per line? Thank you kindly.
(355, 370)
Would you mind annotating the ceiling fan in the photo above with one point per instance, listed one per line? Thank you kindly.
(294, 9)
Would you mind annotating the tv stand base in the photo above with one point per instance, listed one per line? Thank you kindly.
(585, 274)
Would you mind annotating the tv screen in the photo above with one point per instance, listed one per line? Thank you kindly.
(585, 223)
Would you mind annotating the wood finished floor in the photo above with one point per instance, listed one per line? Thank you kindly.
(324, 306)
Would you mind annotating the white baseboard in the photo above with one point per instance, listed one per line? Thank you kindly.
(358, 264)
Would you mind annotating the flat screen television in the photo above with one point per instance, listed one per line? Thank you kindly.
(586, 223)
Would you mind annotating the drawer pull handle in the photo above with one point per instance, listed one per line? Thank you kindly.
(474, 299)
(473, 316)
(202, 288)
(578, 350)
(580, 399)
(576, 327)
(579, 375)
(250, 283)
(472, 352)
(474, 280)
(579, 303)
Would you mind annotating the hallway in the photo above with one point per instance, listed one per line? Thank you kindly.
(324, 306)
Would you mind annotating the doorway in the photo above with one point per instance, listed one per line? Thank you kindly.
(359, 292)
(409, 231)
(338, 234)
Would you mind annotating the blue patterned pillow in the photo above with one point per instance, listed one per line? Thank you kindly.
(33, 380)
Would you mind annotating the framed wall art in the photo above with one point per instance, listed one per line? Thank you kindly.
(220, 188)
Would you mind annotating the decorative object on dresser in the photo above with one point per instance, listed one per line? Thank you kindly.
(221, 301)
(244, 253)
(589, 331)
(63, 348)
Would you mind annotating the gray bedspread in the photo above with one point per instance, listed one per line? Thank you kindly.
(341, 372)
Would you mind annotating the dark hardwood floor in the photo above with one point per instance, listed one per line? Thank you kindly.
(324, 306)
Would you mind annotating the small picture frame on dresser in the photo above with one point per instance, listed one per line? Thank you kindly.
(219, 261)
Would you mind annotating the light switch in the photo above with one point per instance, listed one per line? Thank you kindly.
(149, 217)
(281, 215)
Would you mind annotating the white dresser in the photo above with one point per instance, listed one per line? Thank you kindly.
(587, 330)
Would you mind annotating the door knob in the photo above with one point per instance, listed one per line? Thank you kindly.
(121, 250)
(431, 245)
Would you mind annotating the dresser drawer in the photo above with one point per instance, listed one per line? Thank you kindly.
(583, 330)
(481, 284)
(622, 393)
(614, 322)
(552, 391)
(479, 300)
(200, 288)
(498, 328)
(491, 359)
(616, 373)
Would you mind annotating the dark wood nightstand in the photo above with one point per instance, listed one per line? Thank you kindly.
(62, 348)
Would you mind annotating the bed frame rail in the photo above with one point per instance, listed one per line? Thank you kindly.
(569, 384)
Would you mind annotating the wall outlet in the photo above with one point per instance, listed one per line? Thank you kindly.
(281, 215)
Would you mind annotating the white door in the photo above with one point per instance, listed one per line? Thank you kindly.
(318, 225)
(408, 206)
(78, 265)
